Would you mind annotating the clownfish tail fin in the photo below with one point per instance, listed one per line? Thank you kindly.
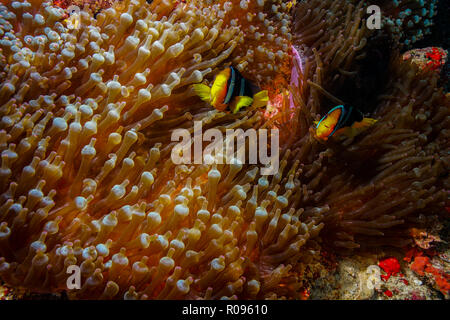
(203, 91)
(359, 127)
(364, 123)
(260, 99)
(369, 121)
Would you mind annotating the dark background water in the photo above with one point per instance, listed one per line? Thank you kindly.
(440, 36)
(440, 31)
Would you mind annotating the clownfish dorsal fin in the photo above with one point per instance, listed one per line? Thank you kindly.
(203, 91)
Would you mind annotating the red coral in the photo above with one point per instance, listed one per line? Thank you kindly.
(422, 265)
(437, 58)
(391, 266)
(442, 280)
(388, 293)
(432, 57)
(411, 253)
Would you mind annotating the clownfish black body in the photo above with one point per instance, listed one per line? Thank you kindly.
(342, 120)
(230, 91)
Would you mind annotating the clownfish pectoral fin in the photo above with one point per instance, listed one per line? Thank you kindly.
(261, 99)
(241, 102)
(203, 91)
(348, 132)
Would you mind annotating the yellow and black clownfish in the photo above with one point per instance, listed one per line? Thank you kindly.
(230, 91)
(343, 120)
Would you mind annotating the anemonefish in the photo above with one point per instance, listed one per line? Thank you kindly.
(73, 19)
(342, 120)
(230, 91)
(291, 4)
